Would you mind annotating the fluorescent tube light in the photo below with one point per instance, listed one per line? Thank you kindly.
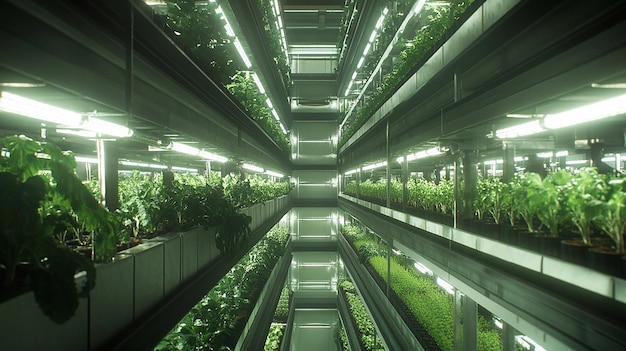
(423, 269)
(528, 128)
(519, 158)
(185, 149)
(283, 128)
(576, 162)
(419, 6)
(184, 169)
(547, 154)
(78, 132)
(380, 21)
(86, 159)
(445, 285)
(269, 103)
(423, 154)
(253, 168)
(211, 156)
(108, 128)
(400, 159)
(258, 83)
(351, 172)
(353, 75)
(34, 109)
(367, 49)
(358, 65)
(562, 153)
(274, 174)
(275, 115)
(592, 112)
(242, 53)
(373, 35)
(375, 165)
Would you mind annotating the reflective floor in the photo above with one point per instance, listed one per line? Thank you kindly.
(314, 330)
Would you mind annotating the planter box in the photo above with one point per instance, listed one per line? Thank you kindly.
(25, 327)
(111, 301)
(207, 250)
(172, 257)
(148, 275)
(189, 254)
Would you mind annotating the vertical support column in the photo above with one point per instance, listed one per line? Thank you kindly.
(508, 337)
(130, 59)
(405, 186)
(389, 253)
(358, 182)
(458, 202)
(458, 320)
(388, 168)
(508, 167)
(470, 324)
(470, 180)
(111, 193)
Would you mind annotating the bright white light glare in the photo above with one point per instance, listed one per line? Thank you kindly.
(494, 162)
(274, 174)
(86, 159)
(519, 130)
(185, 149)
(373, 36)
(608, 159)
(562, 153)
(107, 128)
(385, 11)
(253, 168)
(380, 21)
(351, 172)
(78, 132)
(419, 6)
(358, 65)
(280, 22)
(211, 156)
(400, 159)
(143, 165)
(353, 75)
(592, 112)
(269, 103)
(229, 30)
(34, 109)
(526, 342)
(276, 7)
(423, 269)
(275, 115)
(367, 49)
(283, 128)
(184, 169)
(547, 154)
(258, 83)
(397, 252)
(423, 154)
(576, 162)
(498, 323)
(375, 165)
(445, 285)
(519, 158)
(242, 53)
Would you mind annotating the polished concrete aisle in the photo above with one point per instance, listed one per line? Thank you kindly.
(314, 330)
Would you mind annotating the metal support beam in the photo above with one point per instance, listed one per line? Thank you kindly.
(405, 182)
(470, 179)
(508, 337)
(508, 166)
(388, 168)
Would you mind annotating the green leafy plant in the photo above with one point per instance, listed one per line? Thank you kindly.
(581, 192)
(520, 187)
(362, 319)
(216, 320)
(274, 337)
(491, 195)
(546, 199)
(139, 202)
(612, 221)
(26, 236)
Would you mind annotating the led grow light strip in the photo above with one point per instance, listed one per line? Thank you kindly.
(190, 150)
(26, 107)
(253, 168)
(435, 151)
(415, 10)
(375, 166)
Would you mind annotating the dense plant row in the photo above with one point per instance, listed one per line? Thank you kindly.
(439, 20)
(274, 337)
(432, 307)
(272, 29)
(198, 29)
(362, 319)
(581, 201)
(216, 321)
(281, 314)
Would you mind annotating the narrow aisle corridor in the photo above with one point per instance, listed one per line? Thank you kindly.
(314, 330)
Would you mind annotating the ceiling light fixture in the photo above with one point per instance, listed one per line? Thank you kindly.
(592, 112)
(258, 83)
(375, 166)
(274, 174)
(253, 168)
(212, 157)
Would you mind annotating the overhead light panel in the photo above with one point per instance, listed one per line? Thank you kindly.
(185, 149)
(253, 168)
(242, 53)
(274, 174)
(375, 166)
(212, 157)
(258, 83)
(519, 130)
(592, 112)
(20, 105)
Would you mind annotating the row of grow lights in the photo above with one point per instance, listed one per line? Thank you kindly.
(240, 49)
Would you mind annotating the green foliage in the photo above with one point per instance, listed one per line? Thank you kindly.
(243, 88)
(352, 232)
(362, 319)
(272, 30)
(520, 186)
(580, 193)
(282, 308)
(27, 226)
(613, 208)
(274, 337)
(491, 198)
(212, 323)
(253, 190)
(139, 197)
(546, 200)
(367, 250)
(438, 20)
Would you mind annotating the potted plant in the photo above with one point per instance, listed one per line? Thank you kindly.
(520, 187)
(612, 222)
(27, 239)
(546, 199)
(580, 192)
